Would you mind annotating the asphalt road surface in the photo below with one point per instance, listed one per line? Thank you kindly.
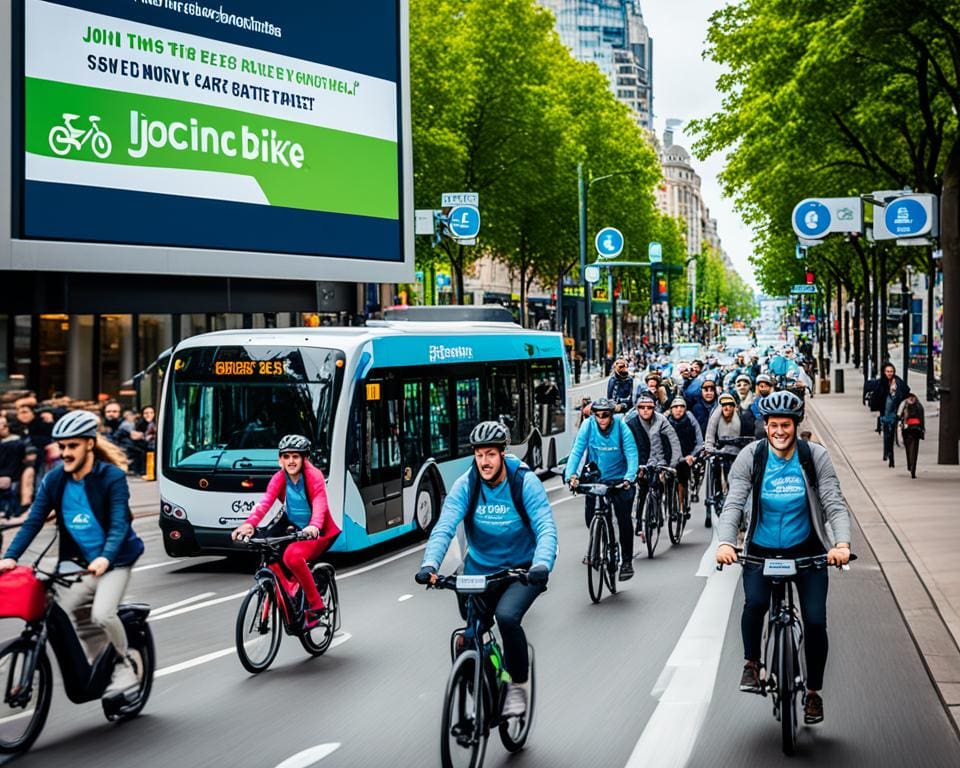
(647, 677)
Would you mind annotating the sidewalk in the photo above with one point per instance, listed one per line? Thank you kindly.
(144, 497)
(913, 526)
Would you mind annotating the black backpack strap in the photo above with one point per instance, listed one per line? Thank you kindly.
(806, 461)
(474, 481)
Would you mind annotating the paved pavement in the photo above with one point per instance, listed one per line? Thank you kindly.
(911, 525)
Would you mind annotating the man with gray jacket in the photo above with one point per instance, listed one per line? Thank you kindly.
(785, 494)
(657, 442)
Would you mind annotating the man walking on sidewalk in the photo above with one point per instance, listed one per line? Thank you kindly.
(885, 399)
(910, 417)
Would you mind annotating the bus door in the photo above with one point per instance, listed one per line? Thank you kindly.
(381, 480)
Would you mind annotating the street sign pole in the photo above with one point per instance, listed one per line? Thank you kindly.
(587, 288)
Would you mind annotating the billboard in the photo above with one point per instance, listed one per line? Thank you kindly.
(230, 128)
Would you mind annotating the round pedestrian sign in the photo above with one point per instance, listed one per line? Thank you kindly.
(905, 217)
(609, 243)
(811, 218)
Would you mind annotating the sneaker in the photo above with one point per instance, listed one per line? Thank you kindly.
(313, 616)
(750, 679)
(515, 702)
(626, 572)
(708, 521)
(812, 709)
(124, 678)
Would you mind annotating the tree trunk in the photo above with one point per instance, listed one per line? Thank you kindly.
(884, 341)
(950, 370)
(857, 357)
(874, 325)
(838, 333)
(931, 280)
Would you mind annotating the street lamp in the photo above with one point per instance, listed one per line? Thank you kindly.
(583, 186)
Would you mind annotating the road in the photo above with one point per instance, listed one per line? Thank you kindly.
(375, 698)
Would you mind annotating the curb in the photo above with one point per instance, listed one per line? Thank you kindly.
(935, 643)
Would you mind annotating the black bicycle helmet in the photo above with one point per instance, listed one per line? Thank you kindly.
(602, 404)
(294, 444)
(781, 404)
(490, 433)
(76, 424)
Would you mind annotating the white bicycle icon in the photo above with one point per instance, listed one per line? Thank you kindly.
(65, 138)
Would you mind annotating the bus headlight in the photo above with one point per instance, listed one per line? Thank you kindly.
(172, 510)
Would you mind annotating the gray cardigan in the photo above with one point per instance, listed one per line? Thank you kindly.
(829, 515)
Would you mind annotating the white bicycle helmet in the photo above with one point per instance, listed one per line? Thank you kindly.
(76, 424)
(490, 433)
(781, 403)
(294, 444)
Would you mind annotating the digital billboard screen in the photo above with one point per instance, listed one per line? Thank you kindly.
(233, 125)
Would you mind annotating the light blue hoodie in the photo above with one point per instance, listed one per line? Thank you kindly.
(615, 453)
(498, 538)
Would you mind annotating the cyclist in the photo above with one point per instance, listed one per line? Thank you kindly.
(690, 439)
(620, 386)
(89, 493)
(301, 489)
(743, 385)
(797, 510)
(606, 441)
(508, 523)
(703, 402)
(656, 440)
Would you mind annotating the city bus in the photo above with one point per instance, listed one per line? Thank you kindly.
(388, 408)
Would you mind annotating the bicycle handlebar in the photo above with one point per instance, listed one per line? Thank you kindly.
(596, 489)
(272, 541)
(503, 577)
(811, 561)
(741, 442)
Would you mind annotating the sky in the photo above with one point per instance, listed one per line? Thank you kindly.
(684, 87)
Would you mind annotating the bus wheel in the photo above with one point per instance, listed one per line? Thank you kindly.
(535, 453)
(425, 510)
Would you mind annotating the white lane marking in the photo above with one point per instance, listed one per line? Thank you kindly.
(198, 606)
(238, 595)
(309, 756)
(151, 566)
(8, 718)
(403, 598)
(338, 639)
(686, 684)
(186, 601)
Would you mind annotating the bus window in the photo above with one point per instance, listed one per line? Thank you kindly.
(546, 378)
(468, 412)
(412, 427)
(439, 419)
(506, 401)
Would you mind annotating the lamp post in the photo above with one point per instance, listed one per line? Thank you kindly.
(583, 187)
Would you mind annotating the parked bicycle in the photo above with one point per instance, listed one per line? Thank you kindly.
(477, 683)
(603, 553)
(782, 668)
(276, 600)
(661, 493)
(30, 593)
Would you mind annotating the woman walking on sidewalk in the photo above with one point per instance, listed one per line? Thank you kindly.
(912, 428)
(886, 398)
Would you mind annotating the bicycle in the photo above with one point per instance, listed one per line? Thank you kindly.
(718, 464)
(603, 553)
(64, 138)
(677, 513)
(270, 604)
(652, 516)
(782, 668)
(25, 666)
(477, 683)
(697, 471)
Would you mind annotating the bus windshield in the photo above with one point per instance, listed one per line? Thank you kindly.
(228, 406)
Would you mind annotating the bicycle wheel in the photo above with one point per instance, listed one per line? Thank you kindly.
(463, 738)
(596, 554)
(141, 650)
(514, 732)
(315, 641)
(651, 521)
(675, 516)
(23, 713)
(610, 566)
(786, 684)
(258, 628)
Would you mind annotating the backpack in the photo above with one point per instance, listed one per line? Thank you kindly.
(514, 477)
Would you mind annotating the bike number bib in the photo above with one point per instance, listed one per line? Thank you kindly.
(776, 567)
(471, 583)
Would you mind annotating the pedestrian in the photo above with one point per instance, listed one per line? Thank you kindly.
(111, 419)
(885, 400)
(912, 428)
(620, 387)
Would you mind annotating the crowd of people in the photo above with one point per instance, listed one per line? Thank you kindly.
(28, 450)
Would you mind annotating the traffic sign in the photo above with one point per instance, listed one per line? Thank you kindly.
(609, 243)
(815, 218)
(423, 222)
(464, 222)
(654, 252)
(907, 216)
(591, 273)
(450, 199)
(803, 288)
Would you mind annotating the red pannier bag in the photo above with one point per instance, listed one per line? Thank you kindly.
(22, 595)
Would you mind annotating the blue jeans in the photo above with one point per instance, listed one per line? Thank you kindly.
(811, 586)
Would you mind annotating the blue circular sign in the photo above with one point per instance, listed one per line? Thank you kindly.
(464, 222)
(905, 217)
(609, 242)
(811, 218)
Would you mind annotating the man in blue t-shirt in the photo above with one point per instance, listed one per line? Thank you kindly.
(499, 537)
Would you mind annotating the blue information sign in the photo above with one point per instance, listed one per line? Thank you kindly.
(905, 217)
(811, 218)
(464, 222)
(609, 242)
(654, 252)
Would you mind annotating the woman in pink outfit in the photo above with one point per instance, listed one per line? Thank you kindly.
(300, 488)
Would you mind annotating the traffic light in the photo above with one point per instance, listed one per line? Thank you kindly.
(810, 278)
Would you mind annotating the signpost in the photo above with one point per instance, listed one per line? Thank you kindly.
(591, 273)
(803, 288)
(609, 243)
(654, 252)
(463, 222)
(906, 216)
(815, 218)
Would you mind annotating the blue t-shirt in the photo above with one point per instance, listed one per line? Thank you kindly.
(298, 506)
(784, 517)
(80, 521)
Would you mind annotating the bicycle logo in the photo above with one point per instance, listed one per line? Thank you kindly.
(65, 138)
